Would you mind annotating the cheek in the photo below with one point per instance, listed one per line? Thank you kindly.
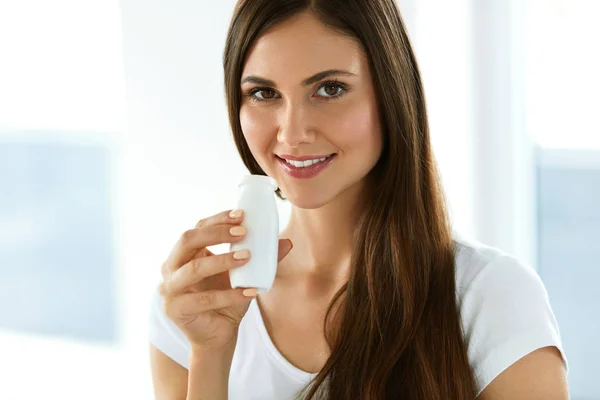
(254, 126)
(257, 127)
(359, 129)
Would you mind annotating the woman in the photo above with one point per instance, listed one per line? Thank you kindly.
(377, 299)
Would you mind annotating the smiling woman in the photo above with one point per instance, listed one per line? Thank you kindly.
(320, 104)
(377, 298)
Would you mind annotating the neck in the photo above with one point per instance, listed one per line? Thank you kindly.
(323, 237)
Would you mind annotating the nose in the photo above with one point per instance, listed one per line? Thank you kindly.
(295, 126)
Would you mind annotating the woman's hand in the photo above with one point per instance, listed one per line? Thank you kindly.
(196, 291)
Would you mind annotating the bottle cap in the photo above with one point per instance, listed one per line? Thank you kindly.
(259, 179)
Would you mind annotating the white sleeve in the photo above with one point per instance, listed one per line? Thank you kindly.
(506, 315)
(165, 335)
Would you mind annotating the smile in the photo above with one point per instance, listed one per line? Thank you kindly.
(306, 163)
(305, 167)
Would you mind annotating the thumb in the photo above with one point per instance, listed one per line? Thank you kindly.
(285, 245)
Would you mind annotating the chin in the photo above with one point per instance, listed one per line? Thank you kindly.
(307, 201)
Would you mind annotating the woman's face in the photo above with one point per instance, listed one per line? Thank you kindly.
(307, 94)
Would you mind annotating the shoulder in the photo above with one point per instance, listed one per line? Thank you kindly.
(475, 260)
(483, 272)
(504, 307)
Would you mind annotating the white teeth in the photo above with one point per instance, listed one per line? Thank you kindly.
(307, 163)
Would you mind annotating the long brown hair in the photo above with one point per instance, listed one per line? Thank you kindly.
(397, 328)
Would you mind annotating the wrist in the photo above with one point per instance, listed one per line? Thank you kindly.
(207, 351)
(219, 359)
(208, 375)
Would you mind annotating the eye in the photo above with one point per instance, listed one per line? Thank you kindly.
(265, 94)
(332, 90)
(327, 91)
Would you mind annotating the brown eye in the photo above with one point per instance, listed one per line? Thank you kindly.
(265, 94)
(331, 90)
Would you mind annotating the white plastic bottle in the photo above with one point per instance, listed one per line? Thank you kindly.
(257, 199)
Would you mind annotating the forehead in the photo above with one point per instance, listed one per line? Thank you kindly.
(302, 46)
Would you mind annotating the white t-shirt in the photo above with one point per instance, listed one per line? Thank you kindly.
(505, 315)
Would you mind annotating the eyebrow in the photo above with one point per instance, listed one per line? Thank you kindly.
(308, 81)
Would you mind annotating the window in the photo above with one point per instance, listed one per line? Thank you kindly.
(62, 303)
(562, 86)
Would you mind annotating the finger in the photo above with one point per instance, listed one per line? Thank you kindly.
(198, 238)
(285, 246)
(166, 268)
(201, 268)
(197, 303)
(230, 216)
(225, 217)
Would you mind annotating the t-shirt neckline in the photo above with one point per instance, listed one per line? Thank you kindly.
(290, 369)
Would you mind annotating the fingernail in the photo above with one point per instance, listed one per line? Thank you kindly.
(237, 231)
(250, 292)
(241, 255)
(236, 214)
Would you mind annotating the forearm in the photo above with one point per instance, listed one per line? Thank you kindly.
(208, 376)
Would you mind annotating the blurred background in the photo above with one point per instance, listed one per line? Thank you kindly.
(114, 139)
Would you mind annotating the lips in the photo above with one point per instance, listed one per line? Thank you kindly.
(306, 162)
(305, 167)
